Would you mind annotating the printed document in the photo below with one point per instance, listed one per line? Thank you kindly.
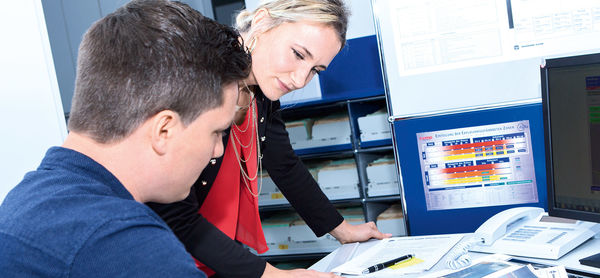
(428, 250)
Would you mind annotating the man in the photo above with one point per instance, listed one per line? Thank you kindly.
(156, 86)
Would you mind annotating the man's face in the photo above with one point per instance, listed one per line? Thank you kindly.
(200, 141)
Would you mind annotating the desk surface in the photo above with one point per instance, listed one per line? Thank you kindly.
(570, 260)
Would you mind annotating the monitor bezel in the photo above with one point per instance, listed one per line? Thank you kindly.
(562, 62)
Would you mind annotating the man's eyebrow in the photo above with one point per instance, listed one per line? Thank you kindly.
(309, 54)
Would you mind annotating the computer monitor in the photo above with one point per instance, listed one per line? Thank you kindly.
(571, 105)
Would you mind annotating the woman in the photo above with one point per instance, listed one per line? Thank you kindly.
(290, 42)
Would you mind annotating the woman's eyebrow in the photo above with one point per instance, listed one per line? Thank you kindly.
(309, 54)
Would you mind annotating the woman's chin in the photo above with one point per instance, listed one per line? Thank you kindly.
(273, 96)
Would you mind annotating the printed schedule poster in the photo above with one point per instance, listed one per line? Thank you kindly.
(489, 165)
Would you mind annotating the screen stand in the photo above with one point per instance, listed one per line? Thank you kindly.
(593, 260)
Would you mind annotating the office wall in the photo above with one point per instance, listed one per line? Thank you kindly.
(67, 21)
(30, 105)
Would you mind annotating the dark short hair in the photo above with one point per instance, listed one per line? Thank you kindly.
(149, 56)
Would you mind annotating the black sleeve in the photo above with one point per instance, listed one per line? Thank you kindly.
(294, 180)
(207, 243)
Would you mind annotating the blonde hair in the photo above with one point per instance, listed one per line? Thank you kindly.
(329, 12)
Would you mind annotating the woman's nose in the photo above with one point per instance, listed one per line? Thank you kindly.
(301, 77)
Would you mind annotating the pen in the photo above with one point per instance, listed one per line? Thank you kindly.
(389, 263)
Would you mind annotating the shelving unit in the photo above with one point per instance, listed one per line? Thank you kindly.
(363, 153)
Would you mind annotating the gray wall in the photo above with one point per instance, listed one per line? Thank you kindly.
(67, 21)
(29, 97)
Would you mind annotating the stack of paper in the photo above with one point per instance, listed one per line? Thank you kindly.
(428, 251)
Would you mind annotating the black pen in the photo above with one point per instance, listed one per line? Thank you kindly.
(389, 263)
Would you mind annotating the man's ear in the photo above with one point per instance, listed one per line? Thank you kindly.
(163, 127)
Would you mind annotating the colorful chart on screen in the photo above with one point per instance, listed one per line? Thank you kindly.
(478, 166)
(593, 102)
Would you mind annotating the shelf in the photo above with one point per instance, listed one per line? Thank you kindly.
(378, 149)
(287, 206)
(294, 111)
(325, 150)
(327, 154)
(389, 198)
(291, 257)
(368, 99)
(375, 143)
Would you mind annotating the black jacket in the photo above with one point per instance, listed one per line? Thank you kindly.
(215, 249)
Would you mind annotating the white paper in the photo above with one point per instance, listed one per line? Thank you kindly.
(429, 249)
(552, 272)
(489, 266)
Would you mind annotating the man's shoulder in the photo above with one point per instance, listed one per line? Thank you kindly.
(60, 219)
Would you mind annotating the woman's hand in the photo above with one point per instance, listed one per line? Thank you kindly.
(271, 271)
(346, 232)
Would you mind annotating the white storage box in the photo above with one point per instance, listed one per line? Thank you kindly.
(301, 233)
(269, 193)
(382, 178)
(302, 238)
(339, 179)
(374, 126)
(299, 133)
(331, 131)
(277, 232)
(392, 221)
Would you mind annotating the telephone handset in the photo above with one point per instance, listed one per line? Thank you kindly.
(526, 232)
(497, 225)
(529, 232)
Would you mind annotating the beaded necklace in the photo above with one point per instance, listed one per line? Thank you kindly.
(253, 120)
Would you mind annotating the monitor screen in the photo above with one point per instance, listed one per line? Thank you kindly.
(571, 97)
(571, 103)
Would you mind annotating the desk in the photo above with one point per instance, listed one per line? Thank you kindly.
(570, 260)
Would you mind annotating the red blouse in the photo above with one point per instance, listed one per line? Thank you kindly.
(229, 205)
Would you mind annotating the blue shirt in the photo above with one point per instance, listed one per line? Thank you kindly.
(73, 218)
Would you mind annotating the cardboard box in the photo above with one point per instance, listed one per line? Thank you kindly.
(392, 221)
(374, 126)
(382, 177)
(339, 179)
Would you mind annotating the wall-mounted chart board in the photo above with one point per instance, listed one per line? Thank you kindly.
(460, 169)
(442, 56)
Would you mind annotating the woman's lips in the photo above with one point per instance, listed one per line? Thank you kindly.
(283, 87)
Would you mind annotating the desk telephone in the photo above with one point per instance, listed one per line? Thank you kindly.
(529, 232)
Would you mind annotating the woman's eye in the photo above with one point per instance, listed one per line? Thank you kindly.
(316, 71)
(298, 55)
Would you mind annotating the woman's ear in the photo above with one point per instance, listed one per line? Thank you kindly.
(260, 15)
(164, 127)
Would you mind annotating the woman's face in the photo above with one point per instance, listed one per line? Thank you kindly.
(287, 57)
